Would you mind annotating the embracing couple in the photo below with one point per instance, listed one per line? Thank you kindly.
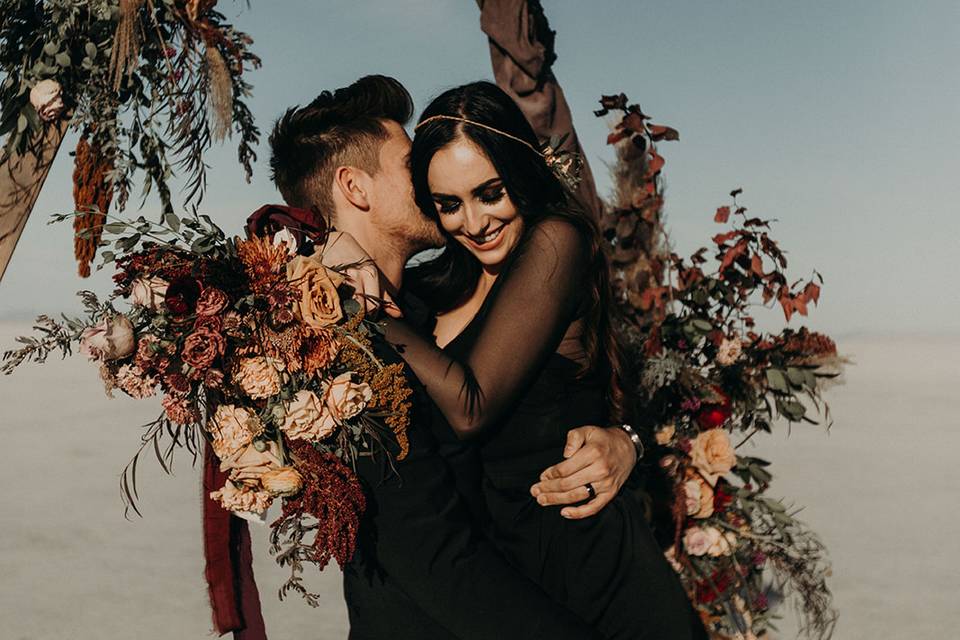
(511, 516)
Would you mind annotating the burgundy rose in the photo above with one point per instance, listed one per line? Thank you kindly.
(211, 302)
(714, 415)
(201, 348)
(722, 496)
(182, 295)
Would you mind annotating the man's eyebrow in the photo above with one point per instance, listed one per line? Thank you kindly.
(483, 186)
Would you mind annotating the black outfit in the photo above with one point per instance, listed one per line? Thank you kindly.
(511, 378)
(422, 571)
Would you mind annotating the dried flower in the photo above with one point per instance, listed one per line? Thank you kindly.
(242, 499)
(148, 346)
(696, 542)
(346, 398)
(258, 376)
(285, 481)
(211, 302)
(180, 410)
(213, 379)
(712, 454)
(665, 434)
(248, 464)
(320, 349)
(232, 429)
(47, 98)
(110, 339)
(181, 296)
(308, 418)
(201, 348)
(133, 382)
(699, 496)
(317, 303)
(728, 352)
(148, 292)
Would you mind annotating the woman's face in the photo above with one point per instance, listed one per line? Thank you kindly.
(472, 204)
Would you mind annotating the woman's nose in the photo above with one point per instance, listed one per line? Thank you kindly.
(475, 223)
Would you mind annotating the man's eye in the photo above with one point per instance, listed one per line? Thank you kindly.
(492, 197)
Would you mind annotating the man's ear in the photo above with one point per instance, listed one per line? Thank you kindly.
(354, 185)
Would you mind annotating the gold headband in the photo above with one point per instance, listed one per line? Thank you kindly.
(482, 126)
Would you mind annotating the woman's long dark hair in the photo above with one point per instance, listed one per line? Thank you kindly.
(447, 279)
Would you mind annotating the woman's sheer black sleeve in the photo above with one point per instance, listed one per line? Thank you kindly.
(534, 304)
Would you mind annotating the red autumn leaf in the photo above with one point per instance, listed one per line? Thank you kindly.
(800, 305)
(660, 132)
(812, 292)
(722, 215)
(732, 254)
(787, 303)
(720, 238)
(650, 187)
(655, 163)
(633, 122)
(756, 265)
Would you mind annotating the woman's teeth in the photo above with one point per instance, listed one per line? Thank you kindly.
(490, 237)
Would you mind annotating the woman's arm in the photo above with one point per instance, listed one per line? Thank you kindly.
(535, 304)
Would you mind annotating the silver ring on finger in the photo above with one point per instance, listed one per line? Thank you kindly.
(591, 492)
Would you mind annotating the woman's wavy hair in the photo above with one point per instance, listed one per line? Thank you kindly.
(446, 279)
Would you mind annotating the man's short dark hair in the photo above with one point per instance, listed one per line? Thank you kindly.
(343, 128)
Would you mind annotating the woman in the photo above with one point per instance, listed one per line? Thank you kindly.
(524, 352)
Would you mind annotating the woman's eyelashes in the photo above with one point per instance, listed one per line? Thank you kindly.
(490, 195)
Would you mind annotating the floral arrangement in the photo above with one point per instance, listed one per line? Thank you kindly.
(258, 349)
(714, 382)
(149, 84)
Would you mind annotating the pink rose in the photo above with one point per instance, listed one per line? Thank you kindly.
(110, 339)
(47, 98)
(696, 541)
(148, 292)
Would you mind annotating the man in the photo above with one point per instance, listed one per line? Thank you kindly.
(424, 571)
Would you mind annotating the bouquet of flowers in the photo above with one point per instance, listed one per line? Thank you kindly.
(713, 382)
(256, 347)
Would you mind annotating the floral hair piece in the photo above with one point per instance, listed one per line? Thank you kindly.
(565, 164)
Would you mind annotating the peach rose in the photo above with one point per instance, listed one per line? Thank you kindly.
(232, 428)
(47, 98)
(346, 398)
(110, 339)
(247, 465)
(258, 377)
(721, 544)
(696, 541)
(148, 292)
(308, 418)
(665, 435)
(699, 496)
(318, 303)
(712, 454)
(285, 481)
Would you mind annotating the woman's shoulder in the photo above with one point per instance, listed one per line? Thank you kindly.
(561, 234)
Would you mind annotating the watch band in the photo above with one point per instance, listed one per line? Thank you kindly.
(634, 438)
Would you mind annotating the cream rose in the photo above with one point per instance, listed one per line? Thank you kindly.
(699, 496)
(721, 544)
(285, 481)
(47, 98)
(245, 502)
(346, 398)
(110, 339)
(665, 435)
(258, 376)
(696, 541)
(148, 292)
(308, 418)
(318, 303)
(232, 429)
(712, 454)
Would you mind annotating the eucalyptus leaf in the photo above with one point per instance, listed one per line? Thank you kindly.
(776, 380)
(795, 376)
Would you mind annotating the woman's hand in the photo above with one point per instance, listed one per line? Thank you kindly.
(602, 457)
(344, 255)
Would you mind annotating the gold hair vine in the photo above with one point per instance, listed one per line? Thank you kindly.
(565, 164)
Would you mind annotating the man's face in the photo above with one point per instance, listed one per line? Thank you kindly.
(394, 210)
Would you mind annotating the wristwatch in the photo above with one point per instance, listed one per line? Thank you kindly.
(634, 438)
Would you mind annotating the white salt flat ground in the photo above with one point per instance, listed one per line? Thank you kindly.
(881, 488)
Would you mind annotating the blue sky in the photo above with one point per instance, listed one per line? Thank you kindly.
(839, 119)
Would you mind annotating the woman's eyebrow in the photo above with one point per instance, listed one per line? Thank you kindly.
(483, 186)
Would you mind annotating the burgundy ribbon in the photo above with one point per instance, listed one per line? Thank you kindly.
(229, 562)
(304, 224)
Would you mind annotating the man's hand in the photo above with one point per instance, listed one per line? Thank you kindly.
(602, 457)
(345, 255)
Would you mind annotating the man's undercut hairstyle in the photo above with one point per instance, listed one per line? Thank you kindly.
(343, 128)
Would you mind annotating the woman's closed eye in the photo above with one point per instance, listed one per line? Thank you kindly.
(492, 196)
(447, 205)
